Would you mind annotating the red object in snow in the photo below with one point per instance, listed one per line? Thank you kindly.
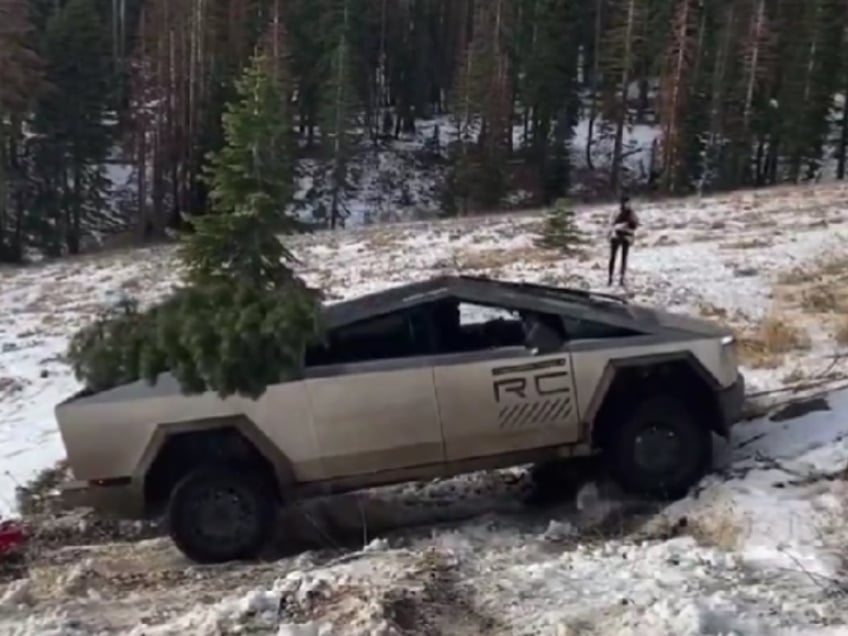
(12, 536)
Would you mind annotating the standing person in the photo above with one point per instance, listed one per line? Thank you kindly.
(623, 224)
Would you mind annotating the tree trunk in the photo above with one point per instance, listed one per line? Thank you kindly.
(841, 151)
(596, 71)
(644, 101)
(718, 87)
(141, 180)
(75, 209)
(338, 159)
(674, 97)
(618, 145)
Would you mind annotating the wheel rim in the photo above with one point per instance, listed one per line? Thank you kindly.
(658, 450)
(222, 518)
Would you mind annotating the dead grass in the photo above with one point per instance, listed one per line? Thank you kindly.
(820, 299)
(710, 311)
(833, 267)
(749, 244)
(841, 334)
(701, 237)
(765, 346)
(498, 258)
(721, 529)
(832, 530)
(821, 291)
(797, 276)
(385, 240)
(664, 240)
(794, 376)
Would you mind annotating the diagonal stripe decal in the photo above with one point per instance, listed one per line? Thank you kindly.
(550, 411)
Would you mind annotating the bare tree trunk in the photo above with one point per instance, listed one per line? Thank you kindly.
(718, 84)
(618, 144)
(141, 177)
(338, 160)
(753, 69)
(842, 151)
(596, 71)
(674, 95)
(74, 223)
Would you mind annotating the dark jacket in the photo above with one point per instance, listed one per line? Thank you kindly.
(623, 224)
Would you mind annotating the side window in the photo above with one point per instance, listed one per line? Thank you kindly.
(462, 327)
(581, 329)
(472, 314)
(396, 335)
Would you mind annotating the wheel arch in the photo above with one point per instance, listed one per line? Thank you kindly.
(624, 379)
(237, 438)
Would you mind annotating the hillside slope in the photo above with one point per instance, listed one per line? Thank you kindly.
(744, 259)
(757, 550)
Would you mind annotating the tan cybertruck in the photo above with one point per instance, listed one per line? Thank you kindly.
(427, 380)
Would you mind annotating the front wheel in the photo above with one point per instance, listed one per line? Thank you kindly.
(217, 514)
(659, 449)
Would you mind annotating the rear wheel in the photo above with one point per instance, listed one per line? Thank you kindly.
(218, 514)
(659, 449)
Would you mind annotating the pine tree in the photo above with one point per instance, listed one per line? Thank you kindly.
(755, 92)
(109, 351)
(620, 46)
(678, 81)
(696, 168)
(466, 107)
(746, 92)
(251, 180)
(809, 81)
(560, 230)
(340, 113)
(482, 107)
(307, 50)
(244, 319)
(550, 92)
(73, 137)
(495, 30)
(20, 79)
(725, 42)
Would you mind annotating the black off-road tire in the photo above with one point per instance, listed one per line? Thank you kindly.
(220, 513)
(671, 423)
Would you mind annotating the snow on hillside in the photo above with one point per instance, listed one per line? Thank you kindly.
(758, 550)
(730, 257)
(401, 180)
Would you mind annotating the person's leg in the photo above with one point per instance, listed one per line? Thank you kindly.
(625, 248)
(613, 252)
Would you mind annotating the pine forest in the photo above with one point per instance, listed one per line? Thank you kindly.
(113, 112)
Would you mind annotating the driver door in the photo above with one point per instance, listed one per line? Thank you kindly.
(505, 400)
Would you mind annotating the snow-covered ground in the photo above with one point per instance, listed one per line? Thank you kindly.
(760, 551)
